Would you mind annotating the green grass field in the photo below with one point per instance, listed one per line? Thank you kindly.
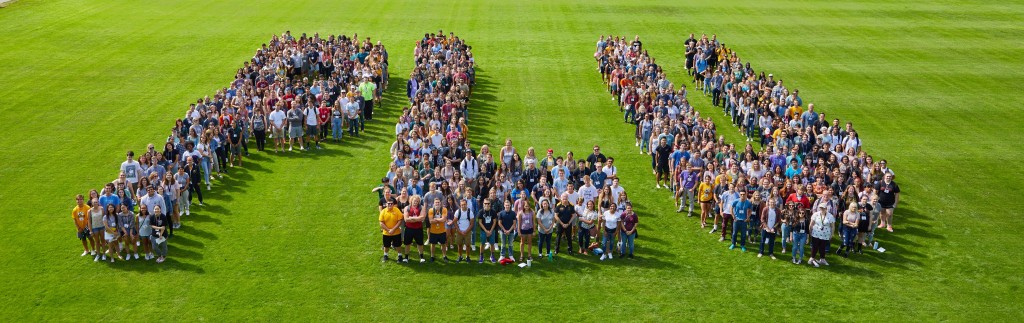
(293, 237)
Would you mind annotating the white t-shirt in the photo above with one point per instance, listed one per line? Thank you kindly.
(611, 219)
(311, 116)
(277, 118)
(131, 170)
(616, 191)
(465, 218)
(611, 172)
(589, 193)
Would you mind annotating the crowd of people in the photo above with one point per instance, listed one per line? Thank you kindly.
(301, 90)
(808, 180)
(441, 196)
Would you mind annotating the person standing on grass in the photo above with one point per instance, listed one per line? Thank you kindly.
(509, 224)
(800, 229)
(337, 118)
(159, 236)
(277, 124)
(524, 229)
(740, 209)
(888, 197)
(235, 134)
(80, 214)
(132, 169)
(145, 231)
(566, 216)
(705, 194)
(258, 125)
(312, 124)
(610, 221)
(662, 153)
(822, 223)
(546, 220)
(629, 222)
(488, 222)
(129, 232)
(413, 218)
(725, 207)
(770, 220)
(438, 216)
(390, 223)
(323, 119)
(464, 219)
(369, 91)
(352, 111)
(110, 232)
(295, 127)
(848, 229)
(96, 223)
(685, 192)
(588, 220)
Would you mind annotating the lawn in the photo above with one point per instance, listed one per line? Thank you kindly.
(294, 236)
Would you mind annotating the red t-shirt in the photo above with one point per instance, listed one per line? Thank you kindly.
(803, 200)
(414, 211)
(323, 114)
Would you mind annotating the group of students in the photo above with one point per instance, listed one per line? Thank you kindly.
(809, 180)
(440, 192)
(302, 84)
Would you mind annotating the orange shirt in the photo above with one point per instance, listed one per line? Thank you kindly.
(81, 215)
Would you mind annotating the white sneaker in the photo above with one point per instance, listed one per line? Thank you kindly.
(824, 262)
(473, 246)
(603, 256)
(207, 188)
(610, 255)
(92, 253)
(136, 256)
(96, 259)
(84, 253)
(512, 258)
(104, 258)
(188, 212)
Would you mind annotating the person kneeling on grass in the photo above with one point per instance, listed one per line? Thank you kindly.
(390, 224)
(414, 217)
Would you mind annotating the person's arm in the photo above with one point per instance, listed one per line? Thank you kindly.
(636, 225)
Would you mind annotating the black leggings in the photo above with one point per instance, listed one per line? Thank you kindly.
(193, 189)
(261, 139)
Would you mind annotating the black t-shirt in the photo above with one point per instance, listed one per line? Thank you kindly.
(663, 153)
(887, 193)
(564, 212)
(235, 134)
(508, 219)
(487, 217)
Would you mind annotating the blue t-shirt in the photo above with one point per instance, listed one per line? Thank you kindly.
(740, 209)
(598, 178)
(728, 198)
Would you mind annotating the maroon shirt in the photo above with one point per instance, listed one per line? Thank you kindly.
(629, 221)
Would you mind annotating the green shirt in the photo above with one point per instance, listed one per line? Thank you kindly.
(367, 88)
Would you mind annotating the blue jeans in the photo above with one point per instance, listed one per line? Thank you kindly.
(629, 114)
(544, 241)
(506, 243)
(206, 169)
(336, 129)
(353, 127)
(645, 140)
(769, 239)
(627, 242)
(739, 226)
(488, 239)
(849, 234)
(799, 240)
(785, 236)
(608, 242)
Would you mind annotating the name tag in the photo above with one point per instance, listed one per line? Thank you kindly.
(803, 231)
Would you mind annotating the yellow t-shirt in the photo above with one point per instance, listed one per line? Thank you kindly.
(81, 216)
(390, 216)
(704, 192)
(437, 228)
